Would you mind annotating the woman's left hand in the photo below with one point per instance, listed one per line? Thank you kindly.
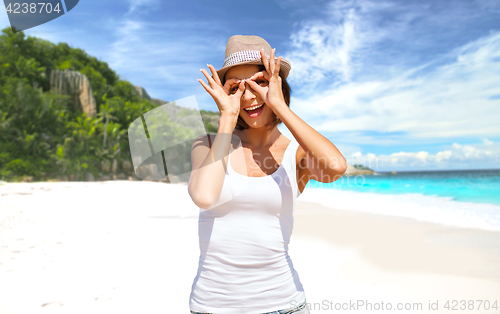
(272, 94)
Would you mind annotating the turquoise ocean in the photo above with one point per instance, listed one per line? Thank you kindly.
(477, 186)
(474, 194)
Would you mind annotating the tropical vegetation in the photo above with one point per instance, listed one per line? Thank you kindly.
(42, 136)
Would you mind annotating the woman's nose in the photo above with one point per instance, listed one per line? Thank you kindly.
(249, 93)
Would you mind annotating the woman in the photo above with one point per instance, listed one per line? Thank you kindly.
(244, 265)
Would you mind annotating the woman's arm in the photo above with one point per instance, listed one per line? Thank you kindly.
(320, 159)
(209, 167)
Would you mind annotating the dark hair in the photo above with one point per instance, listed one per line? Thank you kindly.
(241, 124)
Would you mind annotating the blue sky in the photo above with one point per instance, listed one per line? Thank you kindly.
(395, 85)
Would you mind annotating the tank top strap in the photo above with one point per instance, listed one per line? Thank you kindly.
(292, 166)
(291, 154)
(289, 157)
(229, 169)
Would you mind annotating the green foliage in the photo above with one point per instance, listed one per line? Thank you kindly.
(361, 167)
(18, 167)
(126, 91)
(209, 113)
(42, 135)
(211, 128)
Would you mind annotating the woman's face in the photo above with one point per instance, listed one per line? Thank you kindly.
(259, 117)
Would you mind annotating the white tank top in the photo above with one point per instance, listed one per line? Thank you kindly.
(244, 266)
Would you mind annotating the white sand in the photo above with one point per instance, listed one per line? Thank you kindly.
(126, 246)
(344, 256)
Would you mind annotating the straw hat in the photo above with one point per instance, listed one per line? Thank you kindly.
(242, 49)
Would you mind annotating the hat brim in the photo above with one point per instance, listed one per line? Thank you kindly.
(284, 67)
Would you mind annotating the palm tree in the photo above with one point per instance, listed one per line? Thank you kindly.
(105, 112)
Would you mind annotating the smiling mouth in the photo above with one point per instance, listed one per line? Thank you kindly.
(255, 112)
(256, 109)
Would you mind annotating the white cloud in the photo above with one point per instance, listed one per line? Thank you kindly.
(142, 6)
(449, 100)
(487, 141)
(149, 54)
(332, 47)
(456, 156)
(359, 72)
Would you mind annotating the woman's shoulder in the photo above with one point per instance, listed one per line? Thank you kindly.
(287, 146)
(294, 148)
(286, 141)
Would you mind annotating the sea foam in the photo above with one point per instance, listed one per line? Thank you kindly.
(429, 208)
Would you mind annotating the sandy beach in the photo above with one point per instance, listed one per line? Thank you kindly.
(130, 246)
(375, 258)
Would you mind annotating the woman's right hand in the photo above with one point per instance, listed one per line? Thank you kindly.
(225, 96)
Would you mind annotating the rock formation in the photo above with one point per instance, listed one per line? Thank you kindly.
(76, 85)
(351, 171)
(158, 102)
(142, 93)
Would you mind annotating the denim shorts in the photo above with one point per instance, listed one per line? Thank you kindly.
(300, 309)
